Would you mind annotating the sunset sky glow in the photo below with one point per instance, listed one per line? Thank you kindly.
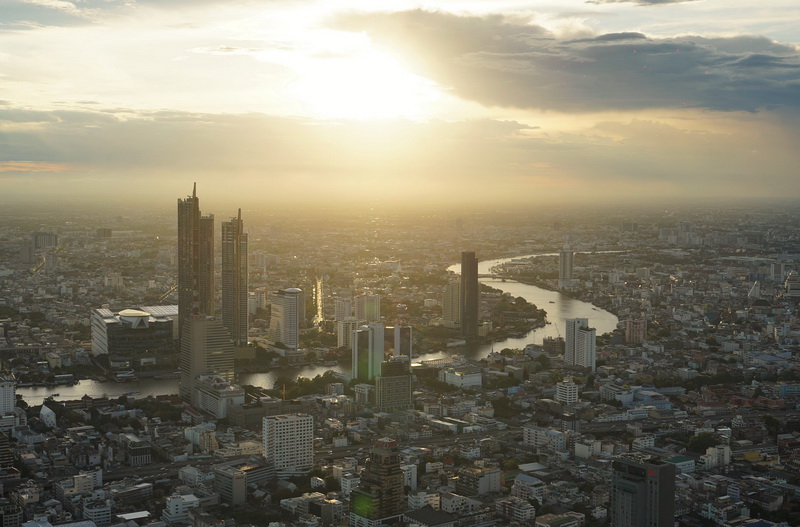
(494, 101)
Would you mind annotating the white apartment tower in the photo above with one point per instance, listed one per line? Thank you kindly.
(451, 305)
(289, 443)
(573, 324)
(287, 314)
(586, 348)
(567, 392)
(368, 308)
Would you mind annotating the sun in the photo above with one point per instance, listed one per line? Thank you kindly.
(357, 81)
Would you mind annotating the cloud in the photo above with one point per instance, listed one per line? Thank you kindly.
(640, 2)
(499, 61)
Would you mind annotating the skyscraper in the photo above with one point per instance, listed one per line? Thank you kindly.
(394, 387)
(565, 267)
(586, 348)
(451, 305)
(368, 308)
(469, 294)
(573, 324)
(368, 351)
(289, 443)
(234, 279)
(379, 498)
(288, 309)
(643, 493)
(206, 348)
(195, 260)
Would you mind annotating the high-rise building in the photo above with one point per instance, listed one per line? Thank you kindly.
(8, 393)
(642, 493)
(565, 267)
(635, 331)
(394, 387)
(368, 308)
(343, 308)
(573, 324)
(368, 351)
(206, 349)
(288, 309)
(234, 279)
(451, 305)
(195, 260)
(135, 338)
(345, 329)
(469, 294)
(379, 497)
(586, 348)
(289, 443)
(399, 339)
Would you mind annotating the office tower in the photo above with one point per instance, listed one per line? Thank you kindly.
(394, 387)
(642, 493)
(135, 338)
(368, 308)
(586, 348)
(206, 349)
(343, 308)
(573, 324)
(451, 305)
(368, 351)
(379, 497)
(635, 331)
(345, 329)
(565, 267)
(469, 294)
(234, 279)
(399, 340)
(289, 443)
(195, 260)
(44, 240)
(287, 313)
(8, 393)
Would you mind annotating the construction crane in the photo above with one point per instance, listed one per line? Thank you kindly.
(169, 292)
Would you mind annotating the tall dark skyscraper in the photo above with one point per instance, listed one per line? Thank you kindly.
(379, 497)
(470, 294)
(234, 279)
(643, 493)
(195, 260)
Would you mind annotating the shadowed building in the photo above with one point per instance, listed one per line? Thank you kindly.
(195, 260)
(379, 498)
(234, 279)
(469, 294)
(642, 493)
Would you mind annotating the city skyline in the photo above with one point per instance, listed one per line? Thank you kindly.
(501, 102)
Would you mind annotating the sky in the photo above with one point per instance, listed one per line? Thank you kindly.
(399, 104)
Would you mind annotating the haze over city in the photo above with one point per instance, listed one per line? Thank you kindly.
(455, 102)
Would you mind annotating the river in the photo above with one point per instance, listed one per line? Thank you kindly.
(559, 308)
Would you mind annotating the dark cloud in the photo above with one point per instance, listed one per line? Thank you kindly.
(506, 62)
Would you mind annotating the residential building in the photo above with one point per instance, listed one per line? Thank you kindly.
(567, 392)
(288, 312)
(289, 443)
(394, 387)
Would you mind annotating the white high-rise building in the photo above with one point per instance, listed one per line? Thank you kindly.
(8, 394)
(368, 308)
(289, 443)
(565, 267)
(567, 392)
(345, 329)
(287, 313)
(586, 348)
(573, 324)
(451, 305)
(343, 308)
